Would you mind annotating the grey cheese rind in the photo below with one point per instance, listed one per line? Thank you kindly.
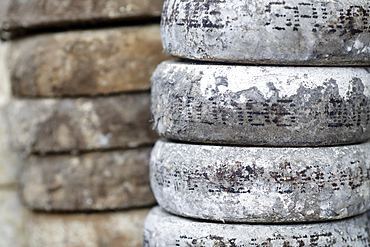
(162, 229)
(250, 105)
(94, 181)
(255, 184)
(292, 32)
(81, 124)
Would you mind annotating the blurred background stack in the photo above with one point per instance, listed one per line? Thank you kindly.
(79, 120)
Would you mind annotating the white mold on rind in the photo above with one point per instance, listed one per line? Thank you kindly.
(310, 32)
(255, 184)
(163, 229)
(261, 105)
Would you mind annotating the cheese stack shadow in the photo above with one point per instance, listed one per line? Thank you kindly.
(80, 117)
(266, 116)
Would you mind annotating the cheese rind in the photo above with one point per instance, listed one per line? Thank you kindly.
(261, 184)
(163, 229)
(290, 32)
(261, 105)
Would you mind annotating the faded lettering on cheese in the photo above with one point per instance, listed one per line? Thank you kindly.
(276, 238)
(240, 178)
(334, 110)
(279, 15)
(351, 20)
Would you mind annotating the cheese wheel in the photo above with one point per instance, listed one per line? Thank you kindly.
(94, 181)
(113, 229)
(255, 184)
(29, 15)
(80, 124)
(261, 105)
(162, 229)
(88, 62)
(310, 32)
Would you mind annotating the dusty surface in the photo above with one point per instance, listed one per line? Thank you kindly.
(64, 125)
(115, 229)
(254, 184)
(86, 62)
(307, 32)
(48, 13)
(162, 230)
(92, 181)
(255, 105)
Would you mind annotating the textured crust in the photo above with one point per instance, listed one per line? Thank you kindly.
(162, 229)
(309, 32)
(253, 105)
(254, 184)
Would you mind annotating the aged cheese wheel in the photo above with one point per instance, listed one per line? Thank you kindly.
(92, 181)
(80, 124)
(35, 14)
(311, 32)
(255, 184)
(89, 62)
(162, 229)
(261, 105)
(113, 229)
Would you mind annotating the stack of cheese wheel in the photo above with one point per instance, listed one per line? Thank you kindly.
(266, 116)
(81, 116)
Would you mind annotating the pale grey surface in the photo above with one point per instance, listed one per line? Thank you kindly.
(254, 184)
(261, 105)
(308, 32)
(75, 124)
(162, 230)
(91, 181)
